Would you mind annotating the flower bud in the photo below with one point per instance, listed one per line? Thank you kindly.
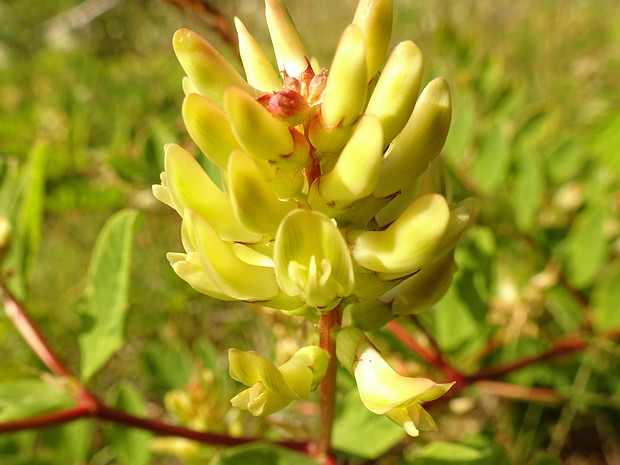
(210, 128)
(233, 276)
(5, 233)
(397, 90)
(206, 67)
(289, 49)
(355, 174)
(258, 69)
(345, 92)
(289, 107)
(259, 133)
(420, 141)
(374, 18)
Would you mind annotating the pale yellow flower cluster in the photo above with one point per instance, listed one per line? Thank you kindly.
(334, 192)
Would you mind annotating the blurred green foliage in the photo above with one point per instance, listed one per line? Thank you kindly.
(88, 101)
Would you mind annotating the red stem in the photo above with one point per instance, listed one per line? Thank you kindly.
(430, 357)
(564, 346)
(32, 334)
(328, 325)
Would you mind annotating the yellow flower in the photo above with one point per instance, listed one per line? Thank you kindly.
(271, 389)
(382, 390)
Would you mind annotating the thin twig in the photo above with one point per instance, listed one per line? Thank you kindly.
(432, 358)
(561, 347)
(213, 17)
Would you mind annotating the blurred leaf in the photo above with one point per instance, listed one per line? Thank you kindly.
(29, 397)
(463, 127)
(567, 313)
(544, 458)
(533, 128)
(565, 160)
(131, 445)
(476, 450)
(605, 143)
(463, 309)
(605, 301)
(107, 292)
(25, 198)
(170, 365)
(491, 165)
(261, 454)
(586, 246)
(528, 189)
(360, 432)
(71, 441)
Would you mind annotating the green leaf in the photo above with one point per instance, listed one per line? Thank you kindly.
(476, 450)
(528, 190)
(106, 293)
(586, 246)
(29, 397)
(360, 432)
(261, 454)
(71, 441)
(131, 445)
(462, 311)
(170, 365)
(24, 194)
(605, 300)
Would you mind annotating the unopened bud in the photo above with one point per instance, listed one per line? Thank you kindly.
(289, 106)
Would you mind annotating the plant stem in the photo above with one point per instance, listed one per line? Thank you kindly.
(32, 334)
(328, 325)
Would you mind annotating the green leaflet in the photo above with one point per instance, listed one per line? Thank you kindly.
(106, 293)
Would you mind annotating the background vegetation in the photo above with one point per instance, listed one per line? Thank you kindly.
(89, 94)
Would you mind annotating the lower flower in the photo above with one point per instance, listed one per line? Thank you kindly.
(382, 390)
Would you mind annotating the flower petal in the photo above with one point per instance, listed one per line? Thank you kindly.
(408, 243)
(232, 276)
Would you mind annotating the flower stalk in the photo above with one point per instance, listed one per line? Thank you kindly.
(329, 324)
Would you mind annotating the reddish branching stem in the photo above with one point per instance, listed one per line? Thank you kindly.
(429, 356)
